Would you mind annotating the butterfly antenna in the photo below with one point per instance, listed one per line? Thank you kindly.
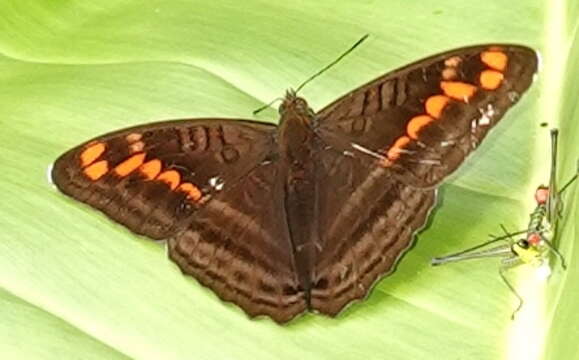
(361, 40)
(257, 111)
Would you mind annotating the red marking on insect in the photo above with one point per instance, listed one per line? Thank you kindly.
(542, 195)
(533, 238)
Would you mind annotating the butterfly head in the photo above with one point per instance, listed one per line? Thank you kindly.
(296, 107)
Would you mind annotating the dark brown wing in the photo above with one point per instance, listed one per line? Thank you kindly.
(239, 246)
(367, 220)
(152, 178)
(427, 117)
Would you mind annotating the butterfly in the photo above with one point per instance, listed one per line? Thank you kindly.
(309, 214)
(536, 245)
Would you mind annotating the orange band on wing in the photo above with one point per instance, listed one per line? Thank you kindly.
(394, 151)
(92, 153)
(130, 165)
(458, 90)
(171, 178)
(417, 123)
(96, 170)
(151, 169)
(491, 79)
(495, 59)
(191, 190)
(435, 104)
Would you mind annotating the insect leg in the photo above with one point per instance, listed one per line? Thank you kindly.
(508, 264)
(554, 250)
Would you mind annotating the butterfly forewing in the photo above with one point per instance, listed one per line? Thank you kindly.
(152, 178)
(428, 116)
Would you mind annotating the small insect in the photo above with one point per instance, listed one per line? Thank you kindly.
(536, 245)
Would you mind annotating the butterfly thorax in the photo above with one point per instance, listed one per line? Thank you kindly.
(298, 145)
(296, 133)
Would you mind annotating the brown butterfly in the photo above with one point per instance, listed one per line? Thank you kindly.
(309, 214)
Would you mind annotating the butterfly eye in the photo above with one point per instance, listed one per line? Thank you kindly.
(523, 244)
(301, 104)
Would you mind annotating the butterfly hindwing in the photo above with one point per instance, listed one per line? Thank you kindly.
(368, 219)
(239, 245)
(427, 117)
(152, 178)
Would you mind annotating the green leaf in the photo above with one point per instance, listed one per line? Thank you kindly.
(74, 284)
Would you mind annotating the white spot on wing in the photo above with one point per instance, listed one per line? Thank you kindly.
(513, 96)
(49, 174)
(539, 64)
(473, 125)
(486, 115)
(216, 183)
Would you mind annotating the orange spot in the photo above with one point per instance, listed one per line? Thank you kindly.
(171, 177)
(130, 165)
(394, 151)
(458, 90)
(96, 170)
(491, 79)
(91, 153)
(417, 123)
(191, 190)
(151, 169)
(495, 59)
(435, 104)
